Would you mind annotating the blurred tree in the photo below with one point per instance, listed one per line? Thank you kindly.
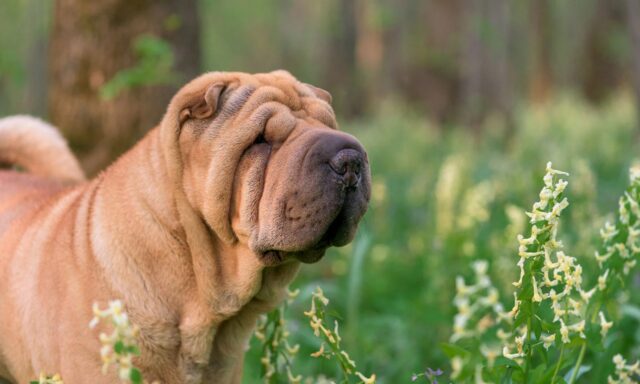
(95, 43)
(541, 80)
(430, 74)
(633, 15)
(603, 69)
(456, 61)
(485, 70)
(341, 65)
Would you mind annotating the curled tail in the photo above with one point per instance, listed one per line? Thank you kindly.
(37, 147)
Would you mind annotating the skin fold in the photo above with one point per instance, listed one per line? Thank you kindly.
(198, 229)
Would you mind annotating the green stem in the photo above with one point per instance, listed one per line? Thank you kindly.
(574, 374)
(555, 371)
(528, 360)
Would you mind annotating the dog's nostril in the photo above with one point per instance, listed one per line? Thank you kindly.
(347, 163)
(339, 169)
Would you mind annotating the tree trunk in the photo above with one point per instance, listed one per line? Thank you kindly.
(633, 14)
(430, 75)
(91, 42)
(603, 72)
(540, 87)
(499, 14)
(472, 65)
(342, 73)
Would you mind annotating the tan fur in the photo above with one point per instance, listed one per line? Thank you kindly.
(38, 148)
(180, 228)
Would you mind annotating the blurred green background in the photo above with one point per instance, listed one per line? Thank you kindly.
(460, 104)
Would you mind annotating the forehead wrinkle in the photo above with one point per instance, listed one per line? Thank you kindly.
(256, 90)
(320, 111)
(286, 83)
(230, 108)
(236, 101)
(259, 97)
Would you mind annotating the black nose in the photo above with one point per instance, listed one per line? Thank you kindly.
(347, 163)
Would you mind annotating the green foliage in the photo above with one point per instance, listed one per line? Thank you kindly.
(277, 354)
(319, 319)
(424, 176)
(154, 67)
(119, 347)
(556, 321)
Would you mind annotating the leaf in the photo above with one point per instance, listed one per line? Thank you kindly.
(549, 327)
(135, 376)
(118, 347)
(581, 371)
(506, 379)
(631, 311)
(536, 327)
(452, 350)
(542, 352)
(502, 361)
(537, 374)
(133, 349)
(153, 67)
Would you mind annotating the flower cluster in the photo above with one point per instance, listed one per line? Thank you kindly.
(474, 211)
(277, 353)
(476, 303)
(551, 307)
(479, 320)
(317, 316)
(547, 275)
(625, 374)
(616, 258)
(446, 192)
(119, 347)
(549, 300)
(45, 379)
(621, 241)
(475, 205)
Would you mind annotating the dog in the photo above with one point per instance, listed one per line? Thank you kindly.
(198, 229)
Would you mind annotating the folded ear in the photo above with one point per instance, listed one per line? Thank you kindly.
(202, 106)
(320, 93)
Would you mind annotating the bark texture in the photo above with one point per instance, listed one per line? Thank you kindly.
(633, 14)
(91, 42)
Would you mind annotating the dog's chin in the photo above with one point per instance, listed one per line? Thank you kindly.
(339, 232)
(274, 257)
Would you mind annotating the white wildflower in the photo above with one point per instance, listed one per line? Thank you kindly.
(604, 324)
(548, 340)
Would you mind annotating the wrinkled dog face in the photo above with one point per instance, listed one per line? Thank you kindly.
(266, 167)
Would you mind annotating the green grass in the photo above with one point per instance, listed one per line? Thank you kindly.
(443, 197)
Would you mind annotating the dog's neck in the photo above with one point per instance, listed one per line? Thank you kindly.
(135, 195)
(201, 285)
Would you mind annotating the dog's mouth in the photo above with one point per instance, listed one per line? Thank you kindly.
(311, 255)
(274, 257)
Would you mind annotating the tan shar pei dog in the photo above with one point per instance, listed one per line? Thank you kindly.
(198, 229)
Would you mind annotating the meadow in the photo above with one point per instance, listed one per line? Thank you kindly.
(444, 197)
(449, 201)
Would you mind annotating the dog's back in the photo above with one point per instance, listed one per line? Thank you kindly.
(36, 147)
(44, 168)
